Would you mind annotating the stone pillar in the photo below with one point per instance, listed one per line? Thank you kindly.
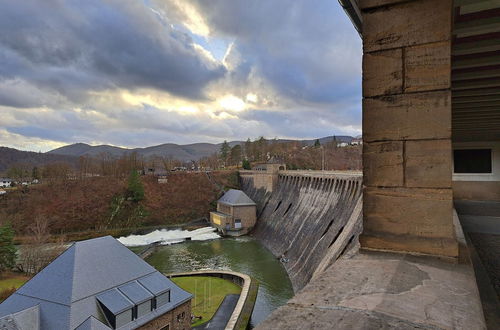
(408, 205)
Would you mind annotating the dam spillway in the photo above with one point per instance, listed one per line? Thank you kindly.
(307, 219)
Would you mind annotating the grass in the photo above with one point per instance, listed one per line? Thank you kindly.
(208, 294)
(9, 282)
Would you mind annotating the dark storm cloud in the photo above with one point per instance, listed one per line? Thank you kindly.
(75, 46)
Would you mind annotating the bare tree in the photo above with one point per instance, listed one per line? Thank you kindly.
(38, 253)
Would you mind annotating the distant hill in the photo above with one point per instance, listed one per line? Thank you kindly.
(70, 153)
(10, 156)
(183, 153)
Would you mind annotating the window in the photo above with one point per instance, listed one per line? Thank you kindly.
(162, 299)
(237, 223)
(123, 318)
(472, 160)
(143, 308)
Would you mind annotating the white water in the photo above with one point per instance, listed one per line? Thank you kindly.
(167, 237)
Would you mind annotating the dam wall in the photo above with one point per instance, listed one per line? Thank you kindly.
(308, 220)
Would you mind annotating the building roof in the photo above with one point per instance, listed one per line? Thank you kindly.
(235, 197)
(24, 320)
(352, 10)
(68, 289)
(92, 324)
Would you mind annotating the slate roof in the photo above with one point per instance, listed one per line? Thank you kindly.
(67, 289)
(27, 319)
(92, 324)
(235, 197)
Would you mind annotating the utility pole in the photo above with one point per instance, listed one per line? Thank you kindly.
(322, 158)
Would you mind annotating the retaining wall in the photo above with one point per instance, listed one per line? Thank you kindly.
(244, 307)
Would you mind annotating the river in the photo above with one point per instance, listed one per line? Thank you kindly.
(244, 254)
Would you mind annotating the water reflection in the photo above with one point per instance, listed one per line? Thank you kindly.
(243, 254)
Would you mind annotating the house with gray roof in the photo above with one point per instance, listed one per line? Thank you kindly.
(97, 284)
(236, 214)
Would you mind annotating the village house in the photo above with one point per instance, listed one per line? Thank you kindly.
(5, 182)
(356, 142)
(97, 284)
(235, 215)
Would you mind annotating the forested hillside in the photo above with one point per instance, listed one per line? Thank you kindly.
(101, 203)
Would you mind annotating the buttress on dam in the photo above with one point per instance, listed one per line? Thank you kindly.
(308, 219)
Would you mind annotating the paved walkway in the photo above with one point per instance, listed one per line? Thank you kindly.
(221, 317)
(384, 291)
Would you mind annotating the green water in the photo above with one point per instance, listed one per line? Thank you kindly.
(244, 255)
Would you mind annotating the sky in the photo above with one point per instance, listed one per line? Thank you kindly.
(136, 73)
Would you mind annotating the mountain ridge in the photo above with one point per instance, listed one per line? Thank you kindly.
(71, 153)
(182, 152)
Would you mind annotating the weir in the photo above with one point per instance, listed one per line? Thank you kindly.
(307, 219)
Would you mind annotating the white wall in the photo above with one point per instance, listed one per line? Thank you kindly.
(495, 158)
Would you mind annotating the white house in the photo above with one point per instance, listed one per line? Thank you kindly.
(5, 182)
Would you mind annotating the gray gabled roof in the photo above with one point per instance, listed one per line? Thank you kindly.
(27, 319)
(92, 324)
(235, 197)
(67, 289)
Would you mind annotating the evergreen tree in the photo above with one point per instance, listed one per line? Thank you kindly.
(224, 150)
(7, 248)
(246, 164)
(317, 144)
(135, 188)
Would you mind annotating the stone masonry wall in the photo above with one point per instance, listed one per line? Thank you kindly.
(173, 319)
(247, 214)
(407, 126)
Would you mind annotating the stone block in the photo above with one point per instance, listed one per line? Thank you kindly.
(407, 24)
(410, 220)
(383, 164)
(428, 164)
(407, 117)
(383, 73)
(428, 67)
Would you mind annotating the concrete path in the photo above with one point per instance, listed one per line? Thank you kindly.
(221, 317)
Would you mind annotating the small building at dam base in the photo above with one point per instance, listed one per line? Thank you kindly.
(235, 215)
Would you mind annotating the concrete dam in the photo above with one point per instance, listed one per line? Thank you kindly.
(308, 219)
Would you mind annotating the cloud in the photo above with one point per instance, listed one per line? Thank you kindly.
(138, 73)
(76, 46)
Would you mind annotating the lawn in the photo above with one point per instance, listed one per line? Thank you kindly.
(208, 294)
(10, 281)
